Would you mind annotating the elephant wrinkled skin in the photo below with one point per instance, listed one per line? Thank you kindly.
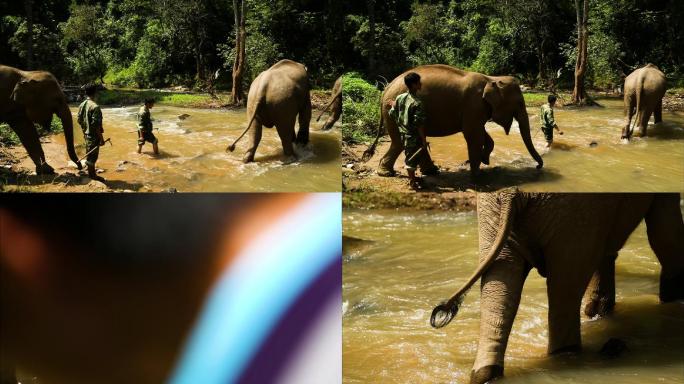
(644, 91)
(33, 97)
(458, 101)
(276, 97)
(567, 238)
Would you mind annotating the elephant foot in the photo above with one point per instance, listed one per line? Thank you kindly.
(672, 289)
(44, 169)
(485, 374)
(570, 349)
(248, 158)
(289, 159)
(613, 348)
(386, 172)
(600, 307)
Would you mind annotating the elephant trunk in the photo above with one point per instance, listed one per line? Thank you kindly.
(64, 115)
(524, 127)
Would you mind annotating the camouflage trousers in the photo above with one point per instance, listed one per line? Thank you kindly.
(411, 145)
(91, 143)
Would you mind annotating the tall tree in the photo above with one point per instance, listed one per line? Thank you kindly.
(579, 93)
(29, 34)
(238, 94)
(371, 26)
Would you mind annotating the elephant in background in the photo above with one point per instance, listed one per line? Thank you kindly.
(33, 97)
(567, 238)
(457, 101)
(644, 91)
(276, 97)
(335, 104)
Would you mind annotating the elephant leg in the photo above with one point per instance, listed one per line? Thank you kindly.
(427, 166)
(500, 295)
(287, 139)
(396, 147)
(665, 231)
(488, 148)
(29, 139)
(629, 113)
(565, 292)
(304, 121)
(600, 294)
(254, 139)
(658, 112)
(475, 141)
(644, 117)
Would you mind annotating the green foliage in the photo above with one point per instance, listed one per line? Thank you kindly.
(85, 42)
(127, 97)
(361, 105)
(431, 35)
(8, 137)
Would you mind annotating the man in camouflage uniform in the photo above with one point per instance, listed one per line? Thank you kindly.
(145, 127)
(90, 120)
(408, 112)
(547, 120)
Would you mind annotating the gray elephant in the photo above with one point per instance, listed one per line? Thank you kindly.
(457, 101)
(335, 105)
(33, 97)
(277, 97)
(567, 238)
(644, 91)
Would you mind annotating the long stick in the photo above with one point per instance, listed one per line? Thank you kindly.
(93, 150)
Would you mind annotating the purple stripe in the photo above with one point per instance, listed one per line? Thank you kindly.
(287, 336)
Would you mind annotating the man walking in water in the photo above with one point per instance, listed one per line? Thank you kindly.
(90, 120)
(547, 120)
(408, 112)
(145, 127)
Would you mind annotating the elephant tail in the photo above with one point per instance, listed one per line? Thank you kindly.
(231, 147)
(447, 310)
(368, 153)
(332, 100)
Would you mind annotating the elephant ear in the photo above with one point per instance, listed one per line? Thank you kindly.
(22, 91)
(492, 94)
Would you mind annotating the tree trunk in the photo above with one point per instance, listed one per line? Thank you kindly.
(371, 29)
(237, 94)
(29, 34)
(579, 93)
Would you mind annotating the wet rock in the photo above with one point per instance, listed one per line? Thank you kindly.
(613, 348)
(593, 144)
(99, 170)
(170, 190)
(183, 116)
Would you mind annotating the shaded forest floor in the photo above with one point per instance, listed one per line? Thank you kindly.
(17, 171)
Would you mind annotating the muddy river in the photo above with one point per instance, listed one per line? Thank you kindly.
(411, 261)
(655, 163)
(193, 157)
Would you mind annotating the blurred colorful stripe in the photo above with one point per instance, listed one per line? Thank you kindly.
(282, 288)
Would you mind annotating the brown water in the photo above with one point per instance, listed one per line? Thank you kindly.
(193, 156)
(654, 163)
(412, 261)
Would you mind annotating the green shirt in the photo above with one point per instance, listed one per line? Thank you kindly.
(408, 113)
(546, 115)
(144, 119)
(90, 117)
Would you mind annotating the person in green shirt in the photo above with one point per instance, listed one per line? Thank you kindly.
(547, 120)
(407, 110)
(145, 127)
(90, 120)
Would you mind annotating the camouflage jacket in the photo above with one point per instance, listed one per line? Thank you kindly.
(144, 119)
(546, 116)
(408, 113)
(90, 118)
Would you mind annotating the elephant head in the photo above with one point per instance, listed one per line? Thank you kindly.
(41, 96)
(506, 101)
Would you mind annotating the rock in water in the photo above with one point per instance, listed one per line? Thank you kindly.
(593, 144)
(183, 116)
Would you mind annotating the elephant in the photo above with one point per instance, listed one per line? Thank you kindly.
(335, 104)
(33, 97)
(568, 238)
(644, 90)
(275, 98)
(457, 101)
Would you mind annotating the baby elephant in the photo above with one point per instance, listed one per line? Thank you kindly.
(644, 91)
(567, 238)
(275, 98)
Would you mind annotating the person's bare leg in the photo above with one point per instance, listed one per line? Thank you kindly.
(155, 147)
